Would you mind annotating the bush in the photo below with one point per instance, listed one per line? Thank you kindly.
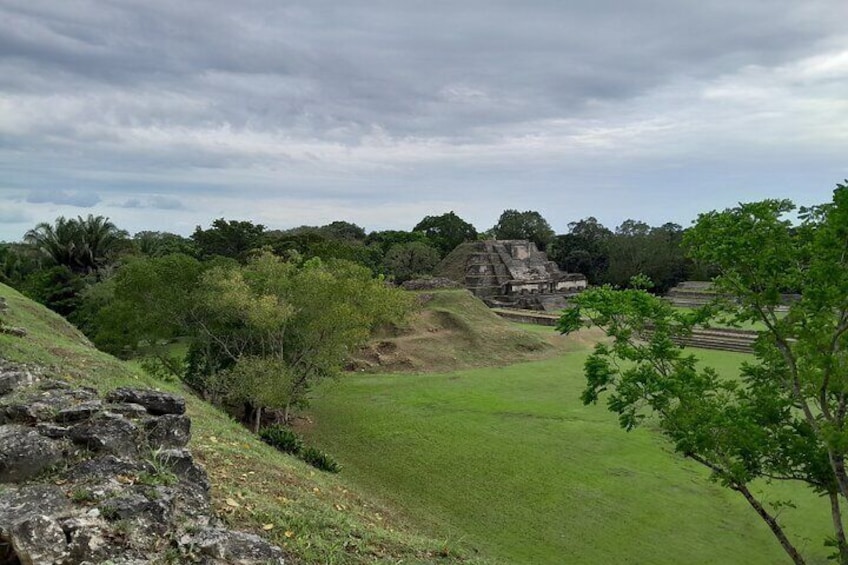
(320, 460)
(282, 438)
(287, 441)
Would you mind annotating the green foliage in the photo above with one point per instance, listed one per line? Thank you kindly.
(148, 299)
(158, 244)
(405, 261)
(385, 240)
(58, 288)
(319, 460)
(81, 244)
(446, 231)
(282, 438)
(784, 417)
(228, 238)
(530, 225)
(583, 250)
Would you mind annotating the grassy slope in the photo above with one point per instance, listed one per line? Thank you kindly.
(511, 457)
(318, 517)
(454, 330)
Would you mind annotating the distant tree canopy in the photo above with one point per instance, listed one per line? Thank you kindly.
(83, 245)
(405, 261)
(530, 225)
(228, 238)
(158, 244)
(446, 231)
(584, 249)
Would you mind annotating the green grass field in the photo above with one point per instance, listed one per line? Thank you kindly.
(509, 458)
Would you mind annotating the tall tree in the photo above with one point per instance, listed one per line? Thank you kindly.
(513, 224)
(784, 418)
(81, 244)
(406, 261)
(446, 231)
(228, 238)
(584, 249)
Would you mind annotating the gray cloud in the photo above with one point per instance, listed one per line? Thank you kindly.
(155, 202)
(81, 199)
(397, 106)
(14, 216)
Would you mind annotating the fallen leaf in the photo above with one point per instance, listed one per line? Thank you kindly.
(233, 503)
(289, 534)
(267, 527)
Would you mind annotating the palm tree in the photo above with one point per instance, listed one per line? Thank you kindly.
(82, 244)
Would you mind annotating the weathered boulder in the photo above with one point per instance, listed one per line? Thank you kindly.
(168, 431)
(128, 491)
(24, 453)
(108, 433)
(226, 547)
(157, 403)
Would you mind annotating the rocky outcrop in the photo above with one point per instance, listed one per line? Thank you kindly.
(85, 480)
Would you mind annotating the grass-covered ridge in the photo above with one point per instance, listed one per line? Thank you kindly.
(319, 518)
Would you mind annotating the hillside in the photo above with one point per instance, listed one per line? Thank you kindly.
(453, 329)
(317, 517)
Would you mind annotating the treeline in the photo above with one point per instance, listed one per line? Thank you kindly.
(262, 314)
(56, 263)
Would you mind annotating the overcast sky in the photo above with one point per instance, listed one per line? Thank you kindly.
(165, 114)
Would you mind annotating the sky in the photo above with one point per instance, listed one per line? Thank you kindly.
(164, 115)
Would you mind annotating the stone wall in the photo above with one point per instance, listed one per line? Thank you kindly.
(87, 479)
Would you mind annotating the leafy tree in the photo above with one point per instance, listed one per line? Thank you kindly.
(228, 238)
(584, 249)
(387, 239)
(513, 224)
(56, 287)
(446, 231)
(656, 252)
(343, 230)
(784, 417)
(157, 244)
(82, 244)
(407, 261)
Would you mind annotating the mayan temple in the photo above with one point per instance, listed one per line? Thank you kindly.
(511, 273)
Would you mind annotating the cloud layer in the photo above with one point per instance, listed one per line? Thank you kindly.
(164, 115)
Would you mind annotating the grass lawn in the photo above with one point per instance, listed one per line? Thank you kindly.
(510, 461)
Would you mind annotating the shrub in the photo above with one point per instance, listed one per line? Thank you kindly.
(287, 441)
(282, 438)
(319, 460)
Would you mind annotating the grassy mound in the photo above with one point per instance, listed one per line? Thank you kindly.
(453, 265)
(454, 329)
(317, 517)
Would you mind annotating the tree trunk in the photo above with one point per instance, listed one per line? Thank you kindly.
(836, 515)
(258, 421)
(772, 524)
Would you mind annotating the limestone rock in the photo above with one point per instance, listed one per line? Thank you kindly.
(234, 548)
(168, 431)
(24, 453)
(156, 403)
(134, 496)
(109, 433)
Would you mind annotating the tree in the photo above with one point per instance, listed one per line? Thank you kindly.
(407, 261)
(637, 248)
(228, 238)
(524, 225)
(784, 417)
(84, 245)
(584, 249)
(158, 243)
(446, 231)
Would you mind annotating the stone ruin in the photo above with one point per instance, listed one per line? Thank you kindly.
(511, 273)
(86, 479)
